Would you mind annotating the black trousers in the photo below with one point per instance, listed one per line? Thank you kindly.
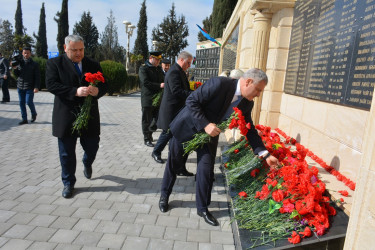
(163, 140)
(5, 90)
(147, 117)
(67, 152)
(205, 171)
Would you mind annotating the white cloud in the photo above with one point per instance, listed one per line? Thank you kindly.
(193, 10)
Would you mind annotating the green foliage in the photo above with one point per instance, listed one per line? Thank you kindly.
(140, 45)
(207, 26)
(171, 34)
(132, 83)
(221, 13)
(115, 76)
(41, 39)
(18, 19)
(42, 66)
(6, 38)
(23, 41)
(110, 48)
(89, 32)
(62, 21)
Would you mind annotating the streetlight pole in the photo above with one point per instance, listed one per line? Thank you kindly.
(129, 31)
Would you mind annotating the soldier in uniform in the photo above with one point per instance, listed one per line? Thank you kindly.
(152, 81)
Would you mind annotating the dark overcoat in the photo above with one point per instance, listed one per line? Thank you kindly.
(176, 90)
(62, 80)
(150, 78)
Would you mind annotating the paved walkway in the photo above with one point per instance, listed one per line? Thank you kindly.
(117, 208)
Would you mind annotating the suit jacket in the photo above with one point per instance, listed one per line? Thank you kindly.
(176, 90)
(62, 80)
(208, 104)
(150, 78)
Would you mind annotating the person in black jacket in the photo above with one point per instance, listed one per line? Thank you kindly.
(151, 78)
(65, 78)
(206, 107)
(176, 90)
(28, 83)
(4, 75)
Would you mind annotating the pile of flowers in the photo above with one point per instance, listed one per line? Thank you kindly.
(83, 117)
(288, 202)
(194, 84)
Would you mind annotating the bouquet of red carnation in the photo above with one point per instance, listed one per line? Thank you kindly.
(236, 120)
(82, 120)
(197, 85)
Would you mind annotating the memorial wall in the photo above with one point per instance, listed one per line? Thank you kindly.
(332, 52)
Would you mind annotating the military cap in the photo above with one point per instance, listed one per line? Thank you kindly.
(166, 61)
(156, 54)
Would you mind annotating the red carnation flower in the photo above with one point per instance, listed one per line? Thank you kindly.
(295, 238)
(306, 232)
(344, 193)
(254, 172)
(242, 194)
(236, 151)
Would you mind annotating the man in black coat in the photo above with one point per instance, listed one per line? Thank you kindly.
(206, 107)
(28, 83)
(65, 79)
(176, 90)
(151, 78)
(4, 75)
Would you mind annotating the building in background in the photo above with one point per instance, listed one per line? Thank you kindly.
(207, 60)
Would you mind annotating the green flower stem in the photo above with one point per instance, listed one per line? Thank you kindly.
(82, 120)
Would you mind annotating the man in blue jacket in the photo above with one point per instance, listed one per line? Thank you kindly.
(206, 107)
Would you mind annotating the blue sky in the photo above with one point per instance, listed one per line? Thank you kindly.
(193, 10)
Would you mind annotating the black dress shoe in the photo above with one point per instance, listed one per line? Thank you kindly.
(148, 143)
(67, 191)
(184, 173)
(163, 204)
(157, 158)
(208, 218)
(87, 171)
(33, 118)
(23, 122)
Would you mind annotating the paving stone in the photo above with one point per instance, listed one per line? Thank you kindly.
(87, 213)
(198, 235)
(6, 215)
(42, 220)
(64, 236)
(104, 214)
(64, 223)
(42, 234)
(130, 229)
(168, 221)
(208, 246)
(64, 211)
(18, 231)
(182, 245)
(42, 245)
(18, 244)
(175, 234)
(108, 227)
(138, 243)
(158, 244)
(150, 231)
(112, 241)
(88, 238)
(145, 219)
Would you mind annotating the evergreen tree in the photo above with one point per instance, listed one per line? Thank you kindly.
(221, 13)
(62, 26)
(41, 39)
(110, 48)
(140, 45)
(171, 35)
(89, 32)
(21, 41)
(18, 19)
(6, 38)
(207, 26)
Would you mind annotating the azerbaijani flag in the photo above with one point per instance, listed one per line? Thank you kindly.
(206, 35)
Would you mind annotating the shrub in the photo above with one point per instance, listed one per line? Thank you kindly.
(115, 76)
(42, 66)
(132, 83)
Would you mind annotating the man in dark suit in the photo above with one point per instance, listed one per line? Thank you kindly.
(4, 75)
(206, 107)
(176, 90)
(151, 78)
(65, 79)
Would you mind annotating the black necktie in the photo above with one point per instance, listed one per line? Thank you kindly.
(230, 110)
(77, 68)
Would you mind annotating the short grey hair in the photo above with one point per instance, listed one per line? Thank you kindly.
(225, 73)
(184, 55)
(73, 38)
(236, 74)
(257, 75)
